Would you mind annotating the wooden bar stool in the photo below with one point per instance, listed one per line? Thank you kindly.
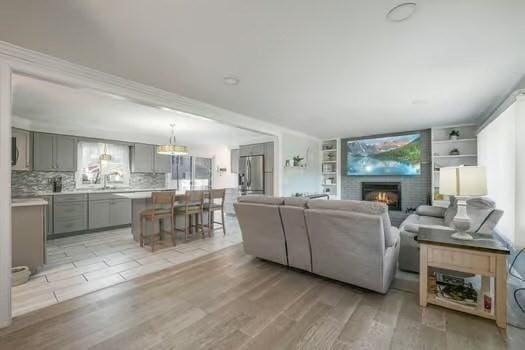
(193, 206)
(163, 204)
(215, 203)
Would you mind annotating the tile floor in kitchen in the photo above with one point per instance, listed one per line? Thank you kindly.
(81, 264)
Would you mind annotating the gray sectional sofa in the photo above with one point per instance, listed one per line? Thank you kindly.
(482, 212)
(350, 241)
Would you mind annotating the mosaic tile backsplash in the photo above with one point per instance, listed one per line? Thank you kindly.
(27, 182)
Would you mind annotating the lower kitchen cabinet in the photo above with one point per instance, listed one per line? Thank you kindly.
(69, 213)
(109, 212)
(99, 214)
(120, 212)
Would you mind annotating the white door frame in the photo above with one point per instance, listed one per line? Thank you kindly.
(5, 195)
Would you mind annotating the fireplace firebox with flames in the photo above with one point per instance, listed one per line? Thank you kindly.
(385, 192)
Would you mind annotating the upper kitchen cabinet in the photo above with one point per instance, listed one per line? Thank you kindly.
(54, 152)
(21, 158)
(143, 158)
(66, 153)
(251, 150)
(268, 157)
(162, 163)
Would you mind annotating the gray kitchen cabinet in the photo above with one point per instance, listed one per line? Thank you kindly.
(54, 152)
(268, 184)
(107, 210)
(251, 150)
(268, 157)
(245, 150)
(234, 161)
(142, 158)
(70, 213)
(162, 163)
(120, 212)
(43, 152)
(99, 215)
(65, 153)
(257, 149)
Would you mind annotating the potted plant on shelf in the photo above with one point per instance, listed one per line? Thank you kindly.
(454, 134)
(297, 161)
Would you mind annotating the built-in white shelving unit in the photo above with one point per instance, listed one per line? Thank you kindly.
(444, 153)
(330, 169)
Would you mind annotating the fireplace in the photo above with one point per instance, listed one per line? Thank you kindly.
(385, 192)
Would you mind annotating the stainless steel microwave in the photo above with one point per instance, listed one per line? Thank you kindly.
(15, 153)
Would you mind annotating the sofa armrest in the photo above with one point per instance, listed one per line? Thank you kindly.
(395, 236)
(428, 210)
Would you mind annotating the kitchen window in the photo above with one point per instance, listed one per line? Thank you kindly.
(95, 173)
(192, 172)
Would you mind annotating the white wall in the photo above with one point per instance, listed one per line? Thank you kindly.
(300, 180)
(501, 148)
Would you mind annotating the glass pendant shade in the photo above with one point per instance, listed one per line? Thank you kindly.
(105, 156)
(172, 149)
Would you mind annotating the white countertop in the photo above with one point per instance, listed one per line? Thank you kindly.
(141, 195)
(88, 191)
(27, 202)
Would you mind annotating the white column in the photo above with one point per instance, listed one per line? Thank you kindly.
(519, 234)
(5, 195)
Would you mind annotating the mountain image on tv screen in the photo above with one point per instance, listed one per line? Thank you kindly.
(392, 155)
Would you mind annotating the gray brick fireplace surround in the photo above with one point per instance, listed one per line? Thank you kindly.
(415, 190)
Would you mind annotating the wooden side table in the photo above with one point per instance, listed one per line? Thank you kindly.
(480, 256)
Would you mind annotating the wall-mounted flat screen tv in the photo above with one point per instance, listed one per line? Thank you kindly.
(392, 155)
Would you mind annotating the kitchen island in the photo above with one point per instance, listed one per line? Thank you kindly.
(141, 201)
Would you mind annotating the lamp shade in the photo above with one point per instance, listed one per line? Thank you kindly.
(463, 181)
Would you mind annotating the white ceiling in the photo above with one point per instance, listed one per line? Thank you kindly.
(327, 68)
(46, 106)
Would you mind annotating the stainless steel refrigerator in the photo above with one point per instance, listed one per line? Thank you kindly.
(251, 174)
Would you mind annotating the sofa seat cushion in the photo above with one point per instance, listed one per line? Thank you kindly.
(362, 207)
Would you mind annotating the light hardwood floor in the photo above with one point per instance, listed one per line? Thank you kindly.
(229, 300)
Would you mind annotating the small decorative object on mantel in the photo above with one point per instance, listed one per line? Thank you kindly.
(454, 152)
(454, 134)
(297, 161)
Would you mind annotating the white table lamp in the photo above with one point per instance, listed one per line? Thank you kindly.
(462, 182)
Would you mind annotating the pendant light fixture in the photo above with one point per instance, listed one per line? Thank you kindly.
(105, 156)
(172, 149)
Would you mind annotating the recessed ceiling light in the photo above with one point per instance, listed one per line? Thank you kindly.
(231, 80)
(401, 12)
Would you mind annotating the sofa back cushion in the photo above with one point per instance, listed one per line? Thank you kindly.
(269, 200)
(346, 245)
(262, 231)
(297, 240)
(363, 207)
(295, 201)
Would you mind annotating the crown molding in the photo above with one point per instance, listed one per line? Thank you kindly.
(43, 66)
